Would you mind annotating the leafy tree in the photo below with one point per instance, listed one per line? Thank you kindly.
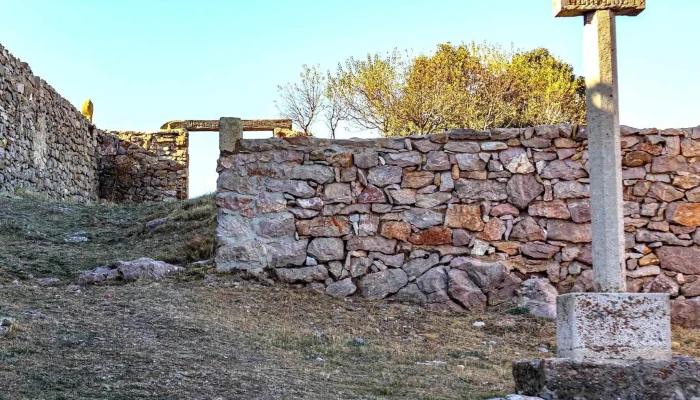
(429, 98)
(467, 86)
(369, 91)
(552, 93)
(478, 86)
(302, 102)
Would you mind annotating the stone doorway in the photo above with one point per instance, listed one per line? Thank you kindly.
(203, 148)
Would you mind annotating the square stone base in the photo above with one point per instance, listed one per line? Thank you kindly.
(626, 326)
(567, 379)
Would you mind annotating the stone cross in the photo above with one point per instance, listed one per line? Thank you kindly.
(600, 68)
(608, 324)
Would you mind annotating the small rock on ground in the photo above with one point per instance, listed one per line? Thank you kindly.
(434, 363)
(211, 279)
(156, 223)
(76, 239)
(33, 314)
(5, 326)
(48, 281)
(540, 298)
(202, 263)
(141, 268)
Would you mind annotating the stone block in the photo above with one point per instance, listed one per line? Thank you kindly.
(568, 379)
(686, 312)
(230, 133)
(624, 326)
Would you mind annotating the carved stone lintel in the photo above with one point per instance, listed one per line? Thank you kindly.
(194, 125)
(575, 8)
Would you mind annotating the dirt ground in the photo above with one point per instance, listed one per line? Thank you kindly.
(202, 336)
(242, 340)
(232, 339)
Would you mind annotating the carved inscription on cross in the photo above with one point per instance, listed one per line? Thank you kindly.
(575, 8)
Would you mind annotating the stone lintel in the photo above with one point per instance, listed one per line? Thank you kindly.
(230, 133)
(626, 326)
(249, 125)
(576, 8)
(568, 379)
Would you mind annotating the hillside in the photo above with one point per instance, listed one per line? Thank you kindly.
(44, 239)
(200, 335)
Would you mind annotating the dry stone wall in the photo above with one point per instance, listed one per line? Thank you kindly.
(144, 166)
(46, 145)
(458, 220)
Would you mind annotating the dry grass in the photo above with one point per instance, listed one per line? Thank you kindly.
(227, 338)
(33, 233)
(242, 340)
(686, 342)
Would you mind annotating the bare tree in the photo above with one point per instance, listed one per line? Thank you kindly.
(302, 102)
(335, 110)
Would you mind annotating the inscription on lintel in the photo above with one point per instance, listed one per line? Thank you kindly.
(194, 125)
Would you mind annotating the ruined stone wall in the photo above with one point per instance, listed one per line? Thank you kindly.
(144, 166)
(456, 220)
(46, 145)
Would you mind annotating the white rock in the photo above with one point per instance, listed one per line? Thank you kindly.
(310, 261)
(434, 363)
(480, 247)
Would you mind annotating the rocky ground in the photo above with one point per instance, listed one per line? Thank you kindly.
(196, 334)
(225, 339)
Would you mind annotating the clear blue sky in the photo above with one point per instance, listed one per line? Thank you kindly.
(149, 61)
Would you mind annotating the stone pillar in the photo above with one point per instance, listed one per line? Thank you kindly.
(600, 60)
(230, 133)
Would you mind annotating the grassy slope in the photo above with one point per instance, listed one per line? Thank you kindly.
(33, 233)
(224, 338)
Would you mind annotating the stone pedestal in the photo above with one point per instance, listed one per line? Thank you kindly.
(626, 326)
(611, 346)
(568, 379)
